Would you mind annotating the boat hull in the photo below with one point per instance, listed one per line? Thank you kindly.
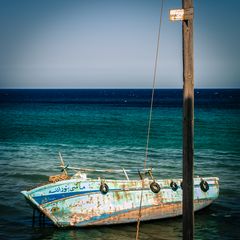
(81, 203)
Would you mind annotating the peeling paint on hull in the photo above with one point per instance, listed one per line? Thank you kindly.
(80, 203)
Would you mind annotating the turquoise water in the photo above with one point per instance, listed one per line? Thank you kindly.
(108, 129)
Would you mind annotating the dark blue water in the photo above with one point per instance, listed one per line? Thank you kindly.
(107, 128)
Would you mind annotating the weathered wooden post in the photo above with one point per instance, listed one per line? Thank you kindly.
(188, 123)
(186, 16)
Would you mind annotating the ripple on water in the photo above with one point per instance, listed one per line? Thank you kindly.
(112, 137)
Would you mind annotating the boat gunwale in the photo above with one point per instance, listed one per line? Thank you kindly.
(147, 180)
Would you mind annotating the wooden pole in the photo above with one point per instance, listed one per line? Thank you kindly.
(33, 217)
(188, 124)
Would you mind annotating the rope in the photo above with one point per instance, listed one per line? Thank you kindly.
(150, 118)
(58, 178)
(140, 212)
(153, 86)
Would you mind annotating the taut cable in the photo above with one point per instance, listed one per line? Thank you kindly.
(150, 118)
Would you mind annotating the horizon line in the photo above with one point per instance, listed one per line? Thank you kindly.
(101, 88)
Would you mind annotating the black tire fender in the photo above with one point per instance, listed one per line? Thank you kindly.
(174, 186)
(104, 188)
(204, 185)
(155, 187)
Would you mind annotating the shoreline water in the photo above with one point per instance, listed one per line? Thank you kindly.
(108, 130)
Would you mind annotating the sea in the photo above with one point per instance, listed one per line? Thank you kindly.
(107, 128)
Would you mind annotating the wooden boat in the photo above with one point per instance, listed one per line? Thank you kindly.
(80, 201)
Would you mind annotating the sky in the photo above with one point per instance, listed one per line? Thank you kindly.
(112, 44)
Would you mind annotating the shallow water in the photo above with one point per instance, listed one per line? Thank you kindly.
(107, 128)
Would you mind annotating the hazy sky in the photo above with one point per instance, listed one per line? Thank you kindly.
(111, 44)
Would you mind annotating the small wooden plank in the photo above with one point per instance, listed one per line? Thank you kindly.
(181, 14)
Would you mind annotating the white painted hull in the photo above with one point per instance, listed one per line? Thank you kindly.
(80, 203)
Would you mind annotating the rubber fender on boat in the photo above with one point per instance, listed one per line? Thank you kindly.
(155, 187)
(104, 188)
(204, 186)
(174, 186)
